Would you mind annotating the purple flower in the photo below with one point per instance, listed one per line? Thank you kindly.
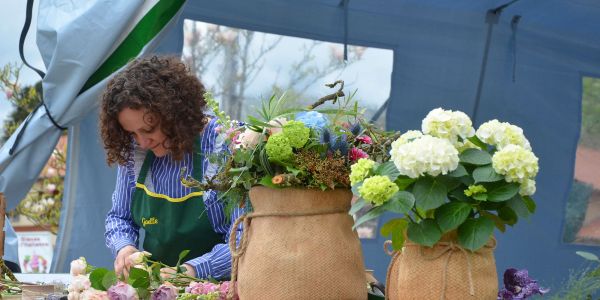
(518, 285)
(201, 288)
(165, 292)
(224, 289)
(122, 291)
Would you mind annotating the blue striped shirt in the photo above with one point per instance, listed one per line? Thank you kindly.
(121, 230)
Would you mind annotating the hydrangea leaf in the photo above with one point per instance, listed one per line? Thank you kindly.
(460, 171)
(375, 212)
(497, 221)
(486, 174)
(429, 193)
(393, 225)
(529, 203)
(426, 233)
(400, 203)
(503, 192)
(517, 204)
(450, 215)
(358, 205)
(388, 169)
(404, 182)
(475, 157)
(474, 233)
(508, 215)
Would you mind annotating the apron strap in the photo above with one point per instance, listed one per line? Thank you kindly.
(145, 167)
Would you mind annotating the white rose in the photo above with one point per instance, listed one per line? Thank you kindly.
(51, 172)
(248, 139)
(79, 284)
(78, 267)
(50, 188)
(138, 257)
(74, 295)
(277, 125)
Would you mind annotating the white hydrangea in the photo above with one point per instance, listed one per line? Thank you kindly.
(454, 126)
(527, 187)
(425, 155)
(502, 134)
(516, 163)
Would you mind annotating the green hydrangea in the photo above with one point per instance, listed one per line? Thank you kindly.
(360, 170)
(278, 147)
(475, 189)
(297, 133)
(516, 163)
(377, 189)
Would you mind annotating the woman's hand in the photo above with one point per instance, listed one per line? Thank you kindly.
(166, 273)
(122, 262)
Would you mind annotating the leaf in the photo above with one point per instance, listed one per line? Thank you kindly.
(398, 238)
(356, 187)
(517, 204)
(459, 194)
(96, 277)
(143, 293)
(109, 279)
(388, 169)
(429, 193)
(588, 255)
(267, 181)
(529, 203)
(400, 203)
(480, 197)
(497, 221)
(449, 182)
(143, 282)
(508, 215)
(426, 233)
(475, 140)
(486, 174)
(183, 254)
(460, 171)
(503, 192)
(136, 273)
(393, 225)
(358, 205)
(475, 157)
(370, 215)
(450, 215)
(404, 181)
(475, 233)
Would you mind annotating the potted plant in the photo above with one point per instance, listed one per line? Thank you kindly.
(294, 166)
(451, 186)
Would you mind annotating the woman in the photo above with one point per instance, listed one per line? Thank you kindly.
(153, 126)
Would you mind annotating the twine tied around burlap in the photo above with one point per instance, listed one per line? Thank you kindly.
(446, 247)
(238, 251)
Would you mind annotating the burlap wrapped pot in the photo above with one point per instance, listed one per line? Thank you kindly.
(298, 244)
(444, 271)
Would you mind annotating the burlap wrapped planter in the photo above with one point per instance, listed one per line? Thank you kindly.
(444, 271)
(299, 244)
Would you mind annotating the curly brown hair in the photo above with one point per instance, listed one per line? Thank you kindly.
(162, 86)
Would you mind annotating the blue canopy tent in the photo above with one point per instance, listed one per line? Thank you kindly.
(517, 61)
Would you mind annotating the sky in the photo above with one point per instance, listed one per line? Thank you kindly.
(12, 18)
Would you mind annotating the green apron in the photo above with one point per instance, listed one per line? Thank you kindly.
(173, 224)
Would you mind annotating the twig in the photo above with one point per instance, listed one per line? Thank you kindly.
(333, 96)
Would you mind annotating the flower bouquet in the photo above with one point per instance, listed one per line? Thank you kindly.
(452, 186)
(294, 164)
(144, 282)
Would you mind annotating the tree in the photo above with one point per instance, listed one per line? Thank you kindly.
(24, 99)
(243, 54)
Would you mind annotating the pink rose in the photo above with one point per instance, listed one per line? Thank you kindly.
(79, 284)
(165, 292)
(201, 288)
(364, 139)
(93, 294)
(122, 291)
(356, 154)
(224, 289)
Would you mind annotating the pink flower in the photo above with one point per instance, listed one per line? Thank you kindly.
(93, 294)
(165, 292)
(9, 94)
(78, 267)
(364, 139)
(201, 288)
(122, 291)
(356, 154)
(79, 283)
(224, 289)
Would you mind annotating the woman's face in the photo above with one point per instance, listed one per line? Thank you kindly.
(145, 129)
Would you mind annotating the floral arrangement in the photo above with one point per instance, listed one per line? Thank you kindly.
(287, 146)
(144, 282)
(449, 176)
(518, 285)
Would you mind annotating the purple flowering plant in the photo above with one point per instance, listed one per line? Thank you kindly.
(518, 285)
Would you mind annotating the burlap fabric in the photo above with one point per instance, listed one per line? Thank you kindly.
(444, 271)
(298, 244)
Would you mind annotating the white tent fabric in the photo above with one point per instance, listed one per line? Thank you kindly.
(82, 43)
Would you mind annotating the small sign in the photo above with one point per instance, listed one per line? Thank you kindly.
(35, 251)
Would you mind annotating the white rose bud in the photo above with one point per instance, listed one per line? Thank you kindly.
(78, 267)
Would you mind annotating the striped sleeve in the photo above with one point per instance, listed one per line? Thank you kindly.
(120, 229)
(217, 262)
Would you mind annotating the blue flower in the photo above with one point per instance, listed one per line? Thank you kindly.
(312, 119)
(518, 285)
